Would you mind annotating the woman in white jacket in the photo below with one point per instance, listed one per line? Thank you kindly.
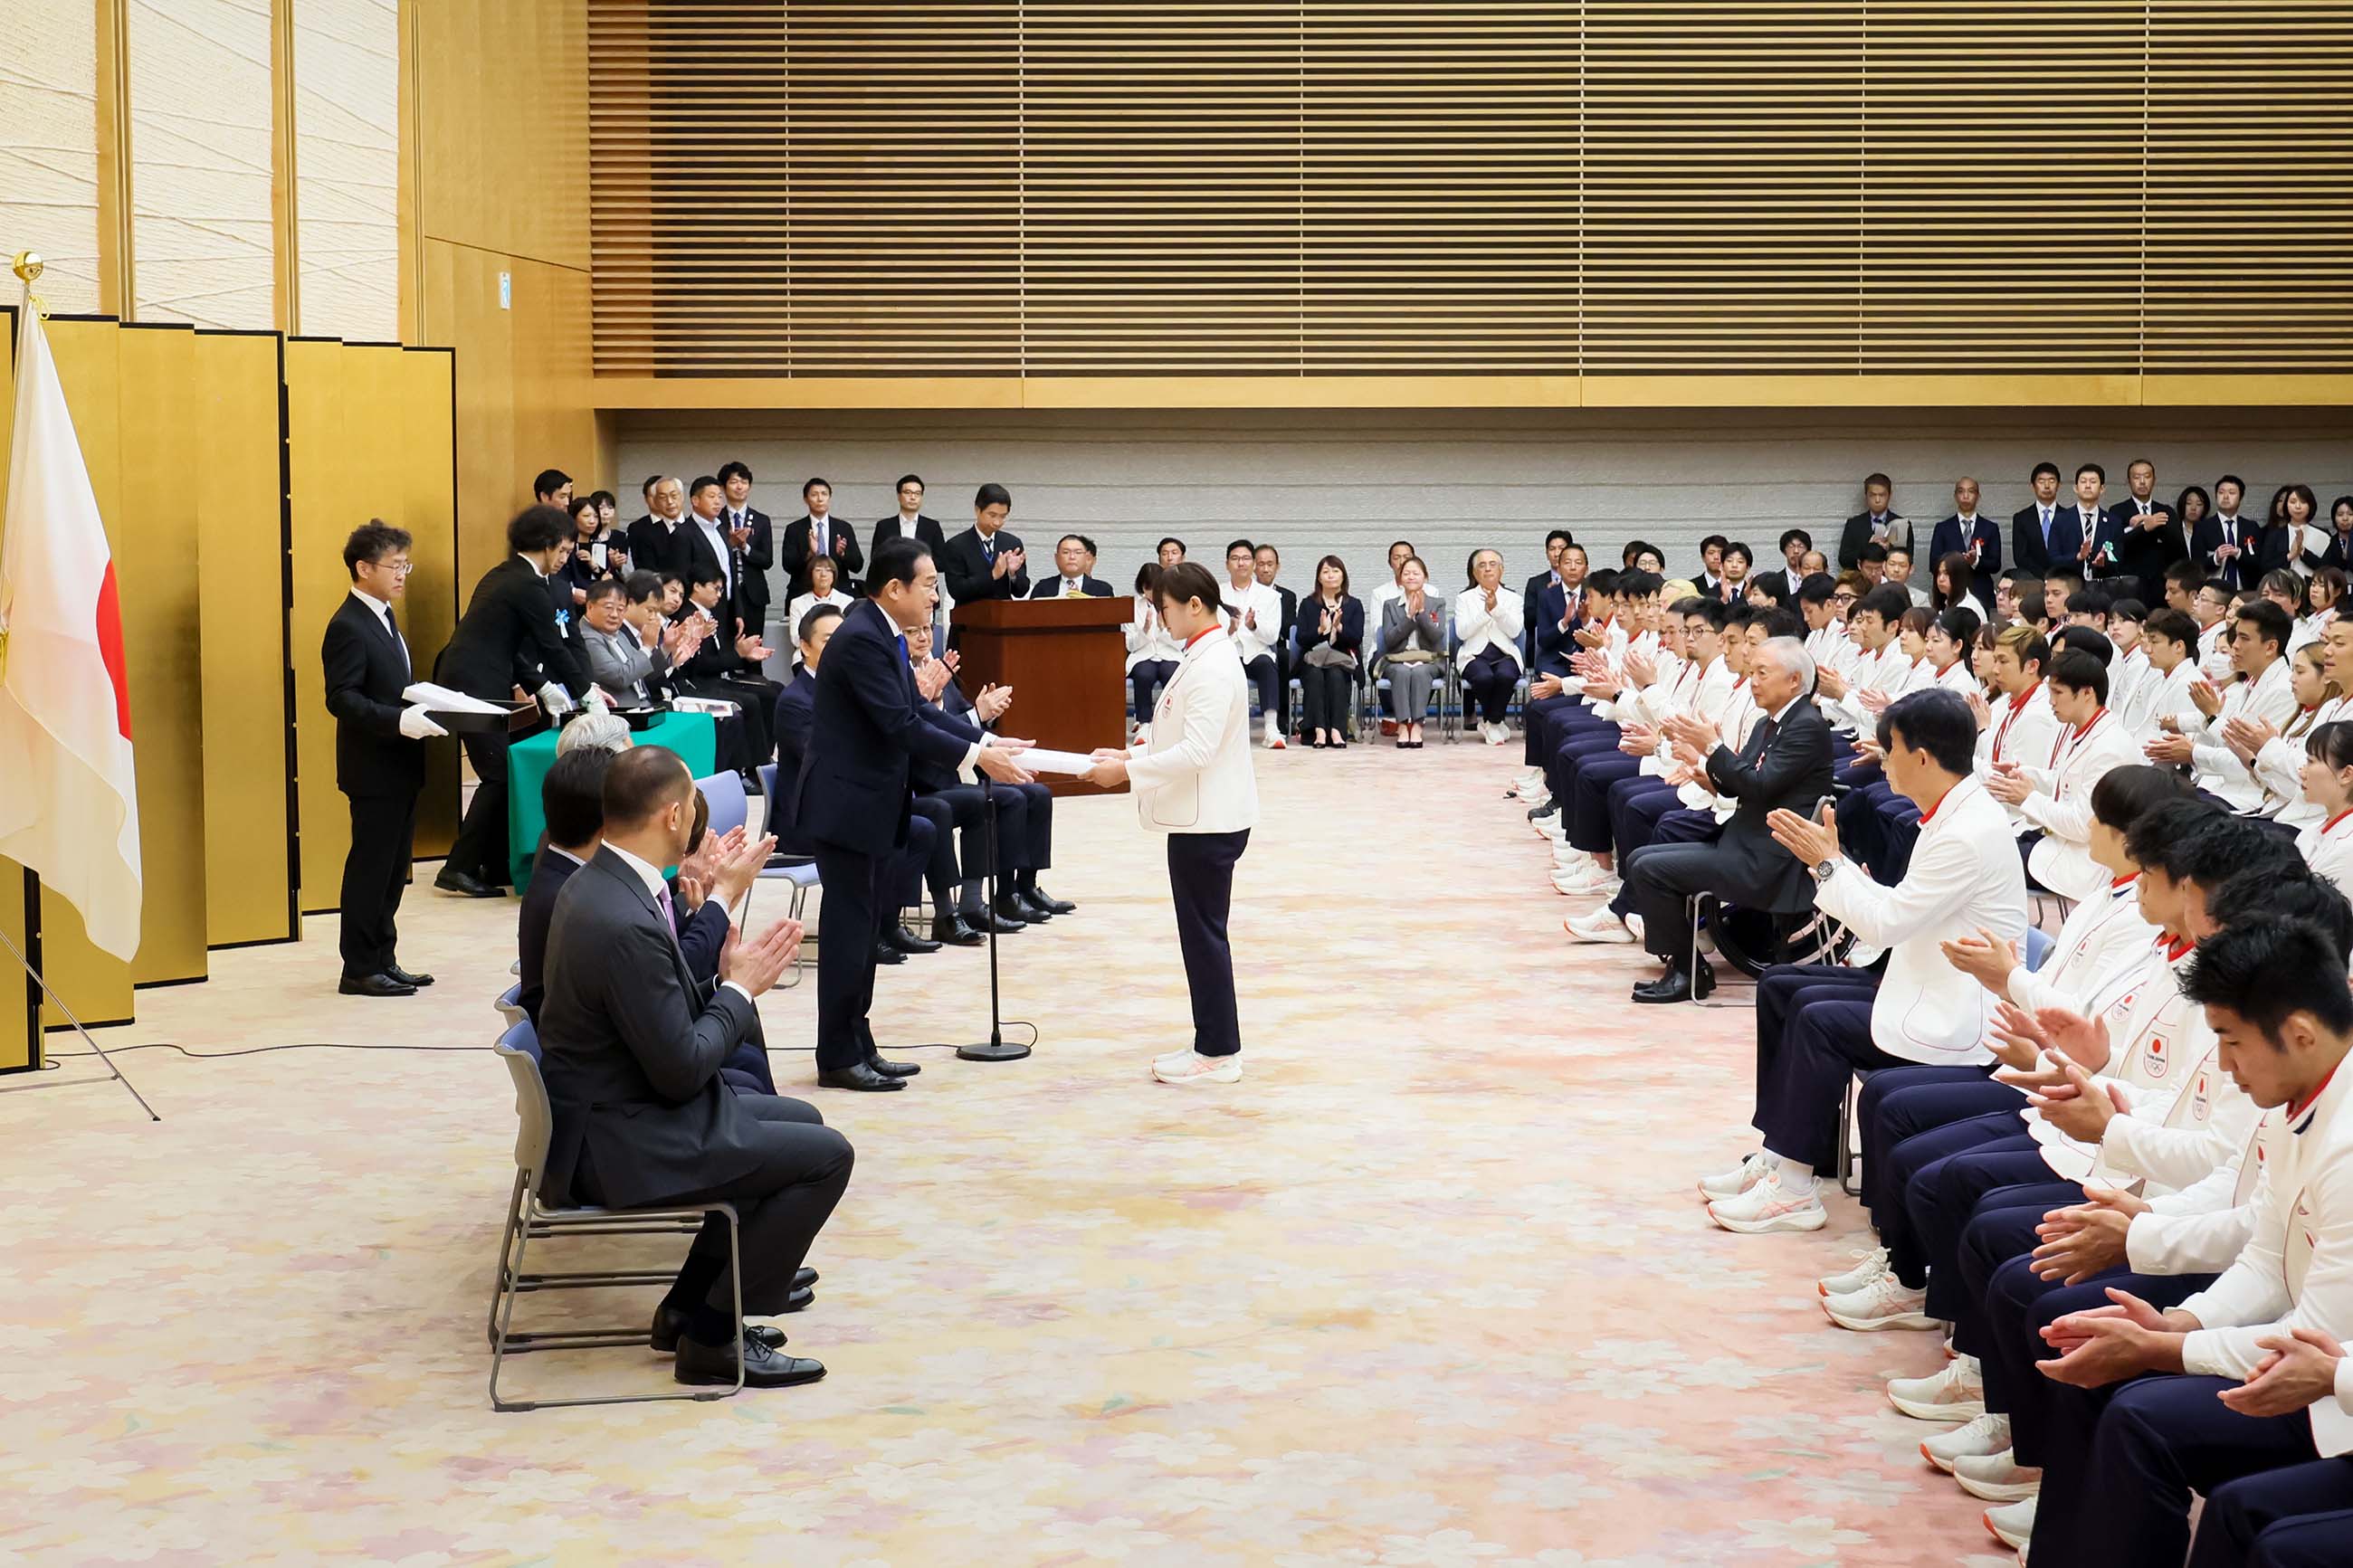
(2327, 845)
(1151, 653)
(1193, 780)
(1488, 618)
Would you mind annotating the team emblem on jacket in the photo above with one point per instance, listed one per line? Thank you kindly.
(2154, 1056)
(2197, 1106)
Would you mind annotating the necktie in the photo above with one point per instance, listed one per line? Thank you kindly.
(988, 549)
(1765, 734)
(394, 627)
(824, 538)
(662, 904)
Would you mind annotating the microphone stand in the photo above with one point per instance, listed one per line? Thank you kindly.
(994, 1049)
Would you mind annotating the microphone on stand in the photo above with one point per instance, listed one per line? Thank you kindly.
(995, 1048)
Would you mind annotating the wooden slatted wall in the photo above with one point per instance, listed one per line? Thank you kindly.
(1285, 187)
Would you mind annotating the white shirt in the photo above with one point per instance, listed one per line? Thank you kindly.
(1147, 637)
(1478, 628)
(720, 547)
(802, 604)
(1252, 643)
(657, 889)
(1965, 873)
(1195, 775)
(383, 612)
(2327, 848)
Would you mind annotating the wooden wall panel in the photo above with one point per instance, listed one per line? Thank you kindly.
(96, 984)
(502, 120)
(236, 483)
(427, 462)
(320, 506)
(157, 548)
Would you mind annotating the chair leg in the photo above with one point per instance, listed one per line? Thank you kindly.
(506, 1300)
(1745, 990)
(1850, 1158)
(499, 1283)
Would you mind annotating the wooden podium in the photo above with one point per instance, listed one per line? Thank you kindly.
(1066, 660)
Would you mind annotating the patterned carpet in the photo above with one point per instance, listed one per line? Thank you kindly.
(1430, 1287)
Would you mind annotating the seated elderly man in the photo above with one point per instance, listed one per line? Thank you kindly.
(1785, 763)
(1818, 1025)
(632, 1042)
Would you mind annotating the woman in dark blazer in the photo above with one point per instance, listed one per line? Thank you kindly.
(1331, 631)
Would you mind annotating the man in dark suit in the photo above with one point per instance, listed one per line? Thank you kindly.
(852, 796)
(1532, 593)
(1554, 614)
(1785, 764)
(632, 1045)
(986, 562)
(909, 521)
(2086, 522)
(379, 757)
(507, 640)
(2146, 535)
(2038, 533)
(1967, 533)
(657, 540)
(1268, 564)
(817, 532)
(751, 537)
(1878, 519)
(1069, 580)
(2226, 544)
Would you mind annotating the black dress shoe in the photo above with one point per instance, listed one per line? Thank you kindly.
(890, 1068)
(952, 929)
(1679, 985)
(905, 941)
(1549, 808)
(996, 919)
(670, 1329)
(1009, 907)
(799, 1299)
(885, 953)
(857, 1076)
(373, 985)
(420, 981)
(472, 887)
(803, 1277)
(763, 1367)
(1047, 901)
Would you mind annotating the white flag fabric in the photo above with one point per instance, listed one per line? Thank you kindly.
(69, 801)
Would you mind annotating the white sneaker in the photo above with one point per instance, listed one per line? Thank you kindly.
(1566, 856)
(1956, 1394)
(1982, 1434)
(1592, 883)
(1273, 737)
(1634, 925)
(1193, 1067)
(1998, 1477)
(1602, 925)
(1143, 735)
(2012, 1524)
(1766, 1207)
(1885, 1304)
(1547, 827)
(1737, 1180)
(1497, 735)
(1172, 1059)
(1870, 1264)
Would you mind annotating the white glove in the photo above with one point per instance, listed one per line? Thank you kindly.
(417, 724)
(555, 698)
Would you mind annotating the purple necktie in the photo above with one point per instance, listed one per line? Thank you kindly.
(661, 902)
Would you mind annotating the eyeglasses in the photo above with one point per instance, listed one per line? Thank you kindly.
(397, 568)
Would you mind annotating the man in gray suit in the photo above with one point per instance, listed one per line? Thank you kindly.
(612, 635)
(632, 1043)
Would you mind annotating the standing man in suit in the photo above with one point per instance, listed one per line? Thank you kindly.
(1270, 561)
(818, 533)
(1795, 544)
(1560, 612)
(379, 757)
(2095, 540)
(2146, 535)
(632, 1043)
(507, 641)
(852, 796)
(750, 536)
(657, 542)
(1532, 593)
(710, 545)
(1785, 763)
(909, 521)
(1194, 781)
(2037, 534)
(2225, 544)
(1070, 581)
(1878, 521)
(986, 562)
(553, 488)
(1967, 533)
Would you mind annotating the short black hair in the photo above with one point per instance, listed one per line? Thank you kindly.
(2233, 480)
(1799, 535)
(2152, 841)
(733, 468)
(1781, 622)
(2083, 468)
(1882, 480)
(642, 586)
(1263, 545)
(1714, 612)
(549, 481)
(1887, 601)
(652, 481)
(1147, 577)
(1933, 720)
(2127, 609)
(1960, 624)
(2215, 849)
(603, 497)
(1167, 540)
(991, 495)
(640, 782)
(1633, 584)
(371, 541)
(814, 616)
(904, 480)
(811, 483)
(2125, 795)
(700, 571)
(1602, 582)
(2089, 601)
(2268, 970)
(603, 588)
(2270, 623)
(572, 796)
(1078, 539)
(702, 482)
(1715, 539)
(2288, 892)
(1816, 588)
(896, 561)
(1872, 551)
(1773, 585)
(1737, 548)
(2079, 672)
(2042, 468)
(537, 528)
(2172, 625)
(1188, 581)
(1563, 536)
(1234, 544)
(2083, 640)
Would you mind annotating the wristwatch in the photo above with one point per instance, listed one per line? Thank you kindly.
(1823, 869)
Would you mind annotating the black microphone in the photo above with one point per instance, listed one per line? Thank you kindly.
(995, 1048)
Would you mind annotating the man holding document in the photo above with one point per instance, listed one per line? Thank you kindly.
(1193, 780)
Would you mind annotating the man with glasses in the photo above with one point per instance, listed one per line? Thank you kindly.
(379, 756)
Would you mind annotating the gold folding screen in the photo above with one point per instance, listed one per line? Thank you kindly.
(1552, 187)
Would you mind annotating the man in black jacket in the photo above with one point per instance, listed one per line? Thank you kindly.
(379, 757)
(508, 641)
(909, 521)
(1785, 764)
(986, 561)
(1073, 552)
(2042, 532)
(657, 540)
(632, 1043)
(818, 532)
(1878, 521)
(752, 539)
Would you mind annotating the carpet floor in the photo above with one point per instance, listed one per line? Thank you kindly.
(1431, 1287)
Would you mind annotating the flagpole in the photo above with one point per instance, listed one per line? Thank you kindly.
(28, 267)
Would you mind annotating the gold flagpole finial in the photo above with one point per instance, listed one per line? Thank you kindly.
(28, 267)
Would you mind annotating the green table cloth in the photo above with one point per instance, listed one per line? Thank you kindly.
(693, 736)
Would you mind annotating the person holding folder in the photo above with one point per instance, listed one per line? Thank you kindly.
(1193, 782)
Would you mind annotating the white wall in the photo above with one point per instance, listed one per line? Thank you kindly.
(1350, 481)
